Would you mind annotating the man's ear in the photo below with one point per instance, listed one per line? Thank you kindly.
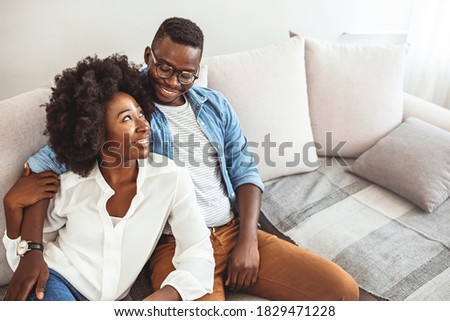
(147, 55)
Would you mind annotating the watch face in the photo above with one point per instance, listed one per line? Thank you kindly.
(22, 247)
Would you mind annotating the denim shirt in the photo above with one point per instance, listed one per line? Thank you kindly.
(218, 122)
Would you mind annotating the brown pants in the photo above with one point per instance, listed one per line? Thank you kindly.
(286, 271)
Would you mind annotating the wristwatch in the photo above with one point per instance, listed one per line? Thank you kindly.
(24, 246)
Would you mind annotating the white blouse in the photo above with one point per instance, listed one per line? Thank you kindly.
(101, 260)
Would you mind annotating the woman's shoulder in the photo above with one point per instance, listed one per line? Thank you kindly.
(160, 164)
(70, 180)
(164, 172)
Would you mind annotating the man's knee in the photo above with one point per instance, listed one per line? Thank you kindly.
(344, 289)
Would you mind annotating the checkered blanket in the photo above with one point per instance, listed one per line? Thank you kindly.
(392, 248)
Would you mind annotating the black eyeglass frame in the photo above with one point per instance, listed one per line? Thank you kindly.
(174, 71)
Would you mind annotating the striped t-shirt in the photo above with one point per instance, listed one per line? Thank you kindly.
(193, 150)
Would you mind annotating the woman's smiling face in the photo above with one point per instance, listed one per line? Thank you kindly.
(127, 130)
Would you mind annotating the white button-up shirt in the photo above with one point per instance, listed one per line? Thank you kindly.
(102, 260)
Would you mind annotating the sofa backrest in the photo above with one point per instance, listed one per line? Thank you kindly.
(21, 135)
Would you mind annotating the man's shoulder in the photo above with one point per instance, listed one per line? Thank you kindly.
(210, 99)
(206, 90)
(202, 94)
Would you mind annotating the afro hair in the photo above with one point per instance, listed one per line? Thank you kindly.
(77, 107)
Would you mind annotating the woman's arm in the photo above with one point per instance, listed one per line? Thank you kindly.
(193, 260)
(27, 223)
(166, 293)
(30, 269)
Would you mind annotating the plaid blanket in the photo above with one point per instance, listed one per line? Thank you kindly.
(393, 249)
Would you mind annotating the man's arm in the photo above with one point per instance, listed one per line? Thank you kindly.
(243, 264)
(29, 189)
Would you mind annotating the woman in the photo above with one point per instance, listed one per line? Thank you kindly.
(108, 215)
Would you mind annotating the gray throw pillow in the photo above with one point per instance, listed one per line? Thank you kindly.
(413, 160)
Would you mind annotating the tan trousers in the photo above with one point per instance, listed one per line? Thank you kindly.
(286, 272)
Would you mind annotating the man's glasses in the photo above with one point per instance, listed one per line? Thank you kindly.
(165, 71)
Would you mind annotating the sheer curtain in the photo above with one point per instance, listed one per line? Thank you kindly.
(428, 67)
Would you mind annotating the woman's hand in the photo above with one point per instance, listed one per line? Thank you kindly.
(32, 270)
(166, 293)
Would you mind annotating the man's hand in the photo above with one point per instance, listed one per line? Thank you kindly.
(243, 265)
(27, 191)
(31, 188)
(32, 270)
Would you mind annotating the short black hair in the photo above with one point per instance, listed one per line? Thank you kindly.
(180, 30)
(77, 107)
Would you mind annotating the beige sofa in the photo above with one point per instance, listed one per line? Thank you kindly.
(346, 99)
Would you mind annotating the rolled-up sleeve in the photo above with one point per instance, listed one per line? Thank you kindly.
(193, 260)
(239, 157)
(45, 160)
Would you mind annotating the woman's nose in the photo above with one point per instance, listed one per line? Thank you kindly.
(142, 125)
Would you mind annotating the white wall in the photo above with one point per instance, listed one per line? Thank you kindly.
(40, 38)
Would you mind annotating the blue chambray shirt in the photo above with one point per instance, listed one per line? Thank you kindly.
(218, 122)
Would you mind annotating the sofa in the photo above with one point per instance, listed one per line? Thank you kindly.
(355, 169)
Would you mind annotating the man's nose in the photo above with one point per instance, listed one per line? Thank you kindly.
(173, 80)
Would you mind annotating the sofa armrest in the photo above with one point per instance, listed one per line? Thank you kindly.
(426, 111)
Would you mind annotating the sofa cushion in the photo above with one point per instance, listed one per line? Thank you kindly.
(202, 80)
(267, 88)
(355, 94)
(21, 128)
(412, 161)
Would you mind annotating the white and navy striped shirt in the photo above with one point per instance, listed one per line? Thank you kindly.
(193, 150)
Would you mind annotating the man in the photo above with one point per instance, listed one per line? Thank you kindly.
(198, 129)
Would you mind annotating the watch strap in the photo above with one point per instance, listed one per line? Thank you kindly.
(26, 246)
(35, 246)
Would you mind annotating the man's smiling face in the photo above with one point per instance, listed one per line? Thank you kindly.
(181, 58)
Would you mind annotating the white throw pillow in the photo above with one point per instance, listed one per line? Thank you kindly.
(202, 80)
(355, 94)
(267, 89)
